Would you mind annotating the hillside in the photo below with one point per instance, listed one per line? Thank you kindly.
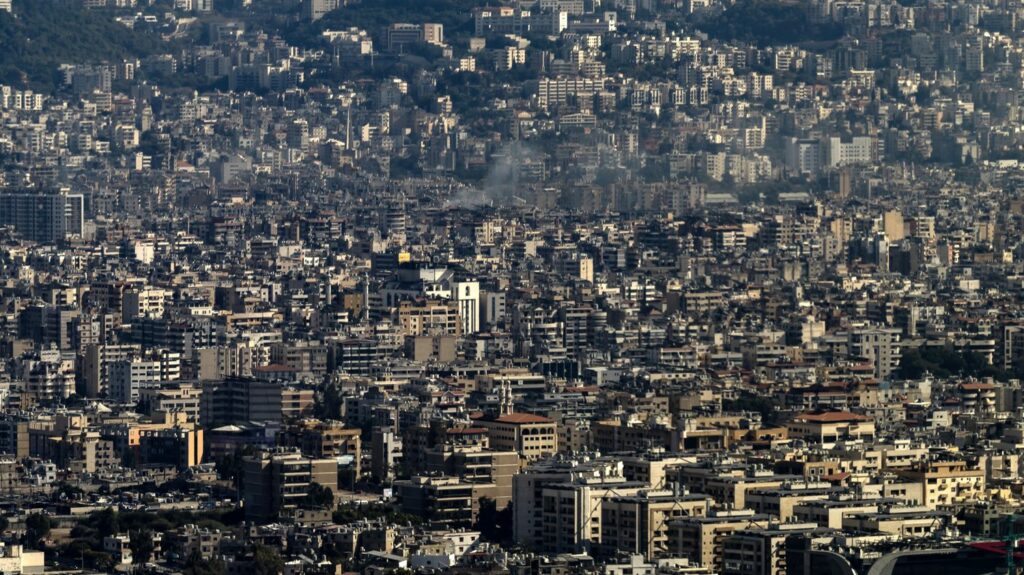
(768, 22)
(374, 15)
(41, 34)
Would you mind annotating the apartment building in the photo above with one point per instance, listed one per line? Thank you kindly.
(180, 397)
(531, 436)
(144, 302)
(441, 500)
(571, 512)
(762, 550)
(830, 427)
(324, 440)
(429, 317)
(179, 447)
(946, 482)
(241, 400)
(129, 377)
(639, 523)
(905, 522)
(832, 511)
(702, 539)
(273, 481)
(779, 502)
(479, 465)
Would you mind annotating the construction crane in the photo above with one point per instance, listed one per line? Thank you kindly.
(1006, 544)
(1010, 541)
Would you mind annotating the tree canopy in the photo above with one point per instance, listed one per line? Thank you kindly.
(142, 546)
(38, 35)
(945, 362)
(319, 497)
(37, 526)
(768, 22)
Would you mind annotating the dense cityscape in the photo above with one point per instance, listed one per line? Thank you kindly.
(539, 287)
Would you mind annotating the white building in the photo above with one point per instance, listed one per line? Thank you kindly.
(129, 377)
(16, 559)
(856, 150)
(803, 155)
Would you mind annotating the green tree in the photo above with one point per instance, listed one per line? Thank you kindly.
(100, 560)
(266, 561)
(141, 544)
(767, 22)
(67, 491)
(319, 497)
(37, 526)
(330, 401)
(229, 467)
(493, 524)
(946, 361)
(107, 523)
(42, 34)
(196, 565)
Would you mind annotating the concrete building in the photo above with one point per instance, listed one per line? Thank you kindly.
(440, 500)
(945, 482)
(325, 440)
(531, 436)
(241, 400)
(702, 539)
(17, 560)
(313, 10)
(762, 551)
(45, 216)
(275, 481)
(830, 427)
(639, 523)
(881, 347)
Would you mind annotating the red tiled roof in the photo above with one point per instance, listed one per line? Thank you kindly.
(831, 417)
(519, 418)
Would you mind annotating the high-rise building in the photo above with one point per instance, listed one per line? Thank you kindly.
(467, 294)
(386, 452)
(803, 156)
(844, 152)
(881, 347)
(45, 216)
(96, 361)
(48, 324)
(313, 10)
(298, 135)
(240, 400)
(648, 512)
(128, 377)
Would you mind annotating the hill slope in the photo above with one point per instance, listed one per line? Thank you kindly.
(768, 22)
(41, 34)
